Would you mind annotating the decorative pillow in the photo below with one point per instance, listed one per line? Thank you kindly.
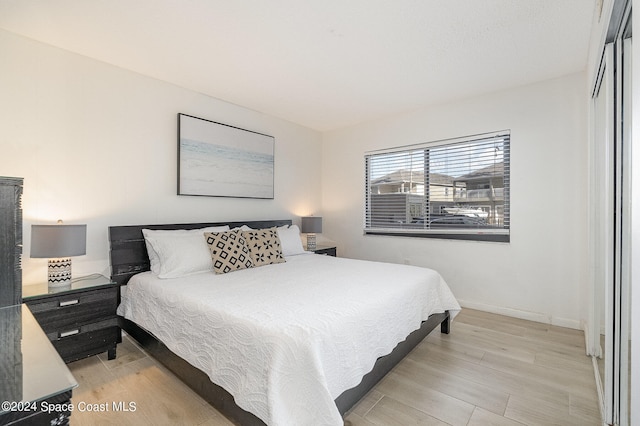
(290, 240)
(229, 251)
(264, 246)
(180, 252)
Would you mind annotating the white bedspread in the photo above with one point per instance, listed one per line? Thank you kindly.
(286, 340)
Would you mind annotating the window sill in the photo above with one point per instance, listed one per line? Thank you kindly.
(451, 235)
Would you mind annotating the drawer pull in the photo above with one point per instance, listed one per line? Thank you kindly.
(69, 333)
(69, 302)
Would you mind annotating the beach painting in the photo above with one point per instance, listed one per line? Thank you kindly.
(219, 160)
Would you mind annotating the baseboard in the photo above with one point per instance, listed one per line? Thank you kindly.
(526, 315)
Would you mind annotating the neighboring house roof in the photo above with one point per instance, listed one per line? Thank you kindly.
(417, 176)
(440, 179)
(494, 170)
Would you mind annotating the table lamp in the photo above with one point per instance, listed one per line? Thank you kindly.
(311, 225)
(58, 243)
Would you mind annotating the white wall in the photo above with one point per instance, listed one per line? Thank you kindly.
(97, 144)
(541, 273)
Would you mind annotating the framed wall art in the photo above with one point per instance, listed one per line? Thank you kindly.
(219, 160)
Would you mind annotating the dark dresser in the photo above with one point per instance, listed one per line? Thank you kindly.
(10, 241)
(35, 384)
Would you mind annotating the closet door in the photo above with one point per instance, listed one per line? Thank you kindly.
(610, 219)
(602, 208)
(622, 278)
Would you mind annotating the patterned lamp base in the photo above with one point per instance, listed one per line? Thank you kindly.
(311, 241)
(59, 272)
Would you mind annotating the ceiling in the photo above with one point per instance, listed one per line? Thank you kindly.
(324, 64)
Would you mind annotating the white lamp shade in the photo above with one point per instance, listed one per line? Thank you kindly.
(57, 241)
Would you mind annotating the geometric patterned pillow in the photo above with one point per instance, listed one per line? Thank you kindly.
(229, 251)
(264, 246)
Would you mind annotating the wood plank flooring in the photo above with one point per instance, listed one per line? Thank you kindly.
(491, 370)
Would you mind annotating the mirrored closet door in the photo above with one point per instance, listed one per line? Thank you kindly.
(610, 195)
(601, 221)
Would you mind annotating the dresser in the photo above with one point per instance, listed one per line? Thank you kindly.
(80, 319)
(10, 241)
(35, 384)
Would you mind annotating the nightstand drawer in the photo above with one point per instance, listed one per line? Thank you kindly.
(71, 310)
(67, 331)
(85, 343)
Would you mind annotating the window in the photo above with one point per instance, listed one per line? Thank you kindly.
(456, 189)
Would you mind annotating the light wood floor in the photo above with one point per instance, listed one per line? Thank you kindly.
(491, 370)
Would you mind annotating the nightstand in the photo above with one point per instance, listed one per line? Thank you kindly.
(80, 319)
(325, 250)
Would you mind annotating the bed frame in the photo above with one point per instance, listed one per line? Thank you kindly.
(129, 257)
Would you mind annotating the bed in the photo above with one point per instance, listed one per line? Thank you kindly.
(298, 341)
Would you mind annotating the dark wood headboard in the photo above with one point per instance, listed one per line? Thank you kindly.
(128, 251)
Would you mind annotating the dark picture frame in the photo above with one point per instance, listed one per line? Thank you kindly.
(219, 160)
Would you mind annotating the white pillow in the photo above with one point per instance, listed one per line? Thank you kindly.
(172, 256)
(242, 228)
(290, 240)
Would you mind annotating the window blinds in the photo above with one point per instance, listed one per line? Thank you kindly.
(457, 186)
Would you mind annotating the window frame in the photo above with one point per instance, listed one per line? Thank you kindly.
(490, 234)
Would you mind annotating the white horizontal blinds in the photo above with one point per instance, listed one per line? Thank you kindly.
(395, 187)
(456, 184)
(506, 205)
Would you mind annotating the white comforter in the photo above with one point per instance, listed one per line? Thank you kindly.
(286, 340)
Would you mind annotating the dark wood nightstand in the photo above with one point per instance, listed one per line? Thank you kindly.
(325, 250)
(80, 319)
